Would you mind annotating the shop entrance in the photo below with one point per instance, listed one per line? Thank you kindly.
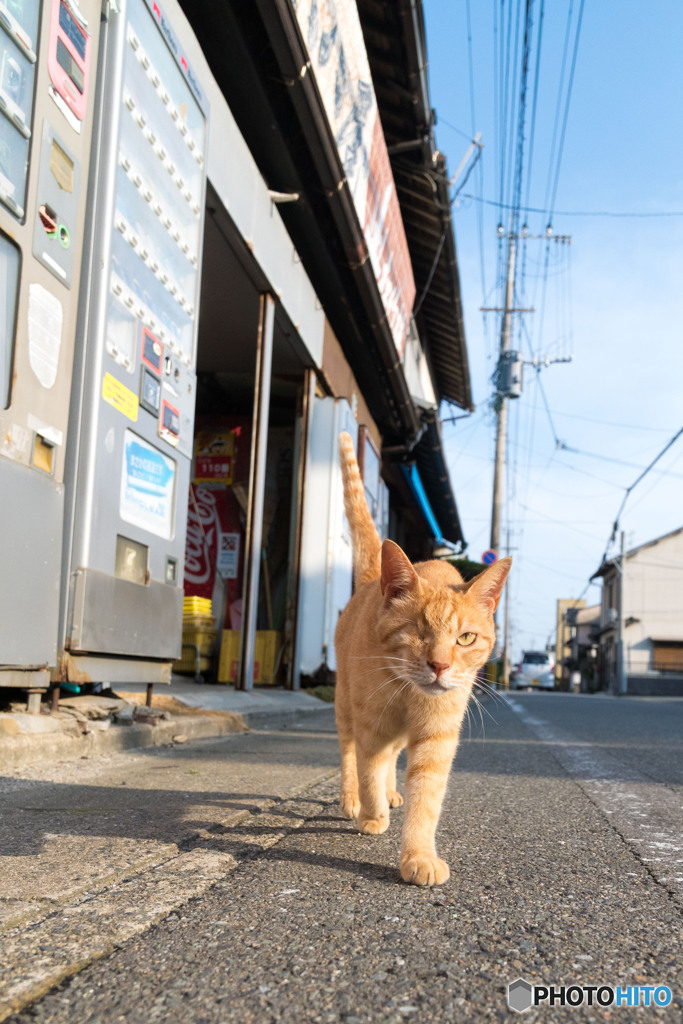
(244, 507)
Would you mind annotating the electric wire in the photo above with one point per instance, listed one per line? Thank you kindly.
(623, 214)
(566, 108)
(560, 89)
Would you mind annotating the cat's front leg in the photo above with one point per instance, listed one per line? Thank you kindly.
(373, 763)
(429, 764)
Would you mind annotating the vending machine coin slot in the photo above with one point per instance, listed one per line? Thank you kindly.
(48, 218)
(58, 188)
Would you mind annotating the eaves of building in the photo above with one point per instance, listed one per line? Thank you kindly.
(260, 62)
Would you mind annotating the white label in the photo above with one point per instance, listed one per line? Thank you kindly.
(44, 333)
(147, 487)
(228, 555)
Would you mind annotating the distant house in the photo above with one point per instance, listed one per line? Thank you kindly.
(584, 630)
(649, 593)
(563, 635)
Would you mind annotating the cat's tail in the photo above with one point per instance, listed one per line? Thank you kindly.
(367, 547)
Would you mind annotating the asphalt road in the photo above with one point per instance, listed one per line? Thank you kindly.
(563, 830)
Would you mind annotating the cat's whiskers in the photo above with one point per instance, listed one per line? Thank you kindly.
(381, 657)
(386, 682)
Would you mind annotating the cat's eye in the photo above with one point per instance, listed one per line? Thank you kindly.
(467, 639)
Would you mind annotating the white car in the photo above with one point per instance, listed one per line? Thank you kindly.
(536, 670)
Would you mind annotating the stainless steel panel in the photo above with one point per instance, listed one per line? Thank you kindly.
(31, 515)
(119, 670)
(114, 616)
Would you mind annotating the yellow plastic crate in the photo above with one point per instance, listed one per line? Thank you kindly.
(199, 623)
(267, 647)
(230, 652)
(187, 665)
(196, 605)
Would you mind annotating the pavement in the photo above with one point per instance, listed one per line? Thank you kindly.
(78, 730)
(215, 881)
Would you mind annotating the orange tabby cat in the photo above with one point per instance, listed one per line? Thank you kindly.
(408, 646)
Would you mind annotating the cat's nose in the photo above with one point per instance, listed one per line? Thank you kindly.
(438, 666)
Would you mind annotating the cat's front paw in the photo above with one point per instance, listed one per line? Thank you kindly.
(424, 869)
(394, 799)
(350, 805)
(373, 826)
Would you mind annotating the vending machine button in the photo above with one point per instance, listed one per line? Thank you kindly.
(169, 423)
(171, 570)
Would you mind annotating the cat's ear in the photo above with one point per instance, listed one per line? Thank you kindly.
(488, 585)
(398, 576)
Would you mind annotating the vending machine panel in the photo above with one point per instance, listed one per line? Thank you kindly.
(138, 344)
(44, 165)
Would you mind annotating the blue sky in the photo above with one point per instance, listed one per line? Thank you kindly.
(614, 298)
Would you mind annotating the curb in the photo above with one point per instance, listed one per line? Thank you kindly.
(23, 750)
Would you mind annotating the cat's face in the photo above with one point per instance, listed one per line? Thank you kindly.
(437, 632)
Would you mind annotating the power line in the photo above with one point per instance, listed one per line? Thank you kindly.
(532, 132)
(566, 108)
(575, 213)
(635, 483)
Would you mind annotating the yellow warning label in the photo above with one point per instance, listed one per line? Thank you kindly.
(121, 397)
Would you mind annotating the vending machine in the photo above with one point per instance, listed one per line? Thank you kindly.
(132, 413)
(47, 54)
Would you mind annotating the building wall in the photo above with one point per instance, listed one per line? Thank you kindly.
(341, 380)
(653, 596)
(563, 636)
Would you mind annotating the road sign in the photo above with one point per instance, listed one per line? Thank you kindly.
(489, 557)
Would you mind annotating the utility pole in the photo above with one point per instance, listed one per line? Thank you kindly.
(622, 684)
(502, 411)
(509, 384)
(506, 627)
